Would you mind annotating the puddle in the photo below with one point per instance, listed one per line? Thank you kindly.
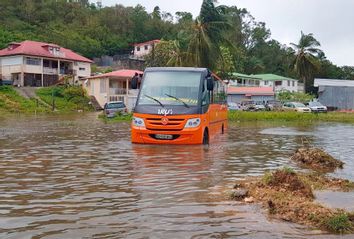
(340, 200)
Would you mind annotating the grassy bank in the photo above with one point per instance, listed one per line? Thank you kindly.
(66, 99)
(290, 116)
(273, 116)
(12, 102)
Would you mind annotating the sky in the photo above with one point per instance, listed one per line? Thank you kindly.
(331, 22)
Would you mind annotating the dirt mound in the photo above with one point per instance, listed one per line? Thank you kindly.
(288, 180)
(316, 159)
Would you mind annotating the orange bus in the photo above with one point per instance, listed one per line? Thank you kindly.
(179, 105)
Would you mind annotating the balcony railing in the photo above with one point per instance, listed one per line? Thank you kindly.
(50, 71)
(67, 72)
(117, 91)
(116, 98)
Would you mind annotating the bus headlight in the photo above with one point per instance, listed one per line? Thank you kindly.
(138, 122)
(192, 123)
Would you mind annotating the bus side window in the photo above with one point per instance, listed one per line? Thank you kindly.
(205, 95)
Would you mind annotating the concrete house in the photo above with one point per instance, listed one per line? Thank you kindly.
(31, 63)
(143, 49)
(113, 86)
(278, 83)
(336, 94)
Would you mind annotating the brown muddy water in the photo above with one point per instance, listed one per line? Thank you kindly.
(76, 177)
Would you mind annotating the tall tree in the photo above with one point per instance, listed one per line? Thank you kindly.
(305, 63)
(206, 36)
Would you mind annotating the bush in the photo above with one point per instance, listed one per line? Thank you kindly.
(73, 92)
(286, 96)
(339, 223)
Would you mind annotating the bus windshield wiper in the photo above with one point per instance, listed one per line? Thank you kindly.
(174, 97)
(156, 100)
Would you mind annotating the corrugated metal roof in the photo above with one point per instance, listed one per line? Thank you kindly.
(333, 82)
(117, 74)
(34, 48)
(244, 76)
(272, 77)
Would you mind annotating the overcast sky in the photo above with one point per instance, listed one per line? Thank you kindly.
(331, 22)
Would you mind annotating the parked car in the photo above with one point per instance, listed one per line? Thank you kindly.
(113, 108)
(5, 82)
(296, 106)
(317, 107)
(248, 105)
(273, 105)
(259, 105)
(233, 106)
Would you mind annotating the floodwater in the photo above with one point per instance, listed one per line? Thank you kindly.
(76, 177)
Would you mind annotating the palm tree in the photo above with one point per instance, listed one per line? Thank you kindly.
(305, 63)
(206, 36)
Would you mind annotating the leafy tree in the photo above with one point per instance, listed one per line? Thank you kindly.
(305, 63)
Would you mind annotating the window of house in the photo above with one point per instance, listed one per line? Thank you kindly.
(146, 47)
(33, 61)
(293, 83)
(266, 82)
(278, 83)
(138, 48)
(288, 83)
(82, 69)
(103, 86)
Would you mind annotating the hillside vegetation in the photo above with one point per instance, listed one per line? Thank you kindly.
(228, 35)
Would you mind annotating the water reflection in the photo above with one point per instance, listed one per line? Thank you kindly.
(76, 177)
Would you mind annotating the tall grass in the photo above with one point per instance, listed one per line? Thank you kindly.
(66, 98)
(12, 102)
(290, 116)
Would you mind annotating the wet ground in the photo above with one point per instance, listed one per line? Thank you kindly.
(76, 177)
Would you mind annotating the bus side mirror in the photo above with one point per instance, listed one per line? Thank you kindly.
(134, 82)
(210, 83)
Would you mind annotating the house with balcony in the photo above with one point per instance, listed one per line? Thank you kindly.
(37, 64)
(276, 82)
(113, 86)
(144, 48)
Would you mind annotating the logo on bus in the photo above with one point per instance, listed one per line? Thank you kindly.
(164, 111)
(164, 120)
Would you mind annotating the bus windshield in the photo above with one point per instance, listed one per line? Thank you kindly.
(170, 88)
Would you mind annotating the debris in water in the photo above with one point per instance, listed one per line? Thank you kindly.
(316, 159)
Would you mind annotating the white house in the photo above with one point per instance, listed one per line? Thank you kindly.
(113, 86)
(278, 83)
(144, 48)
(37, 64)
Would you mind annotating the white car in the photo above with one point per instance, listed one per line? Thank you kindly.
(296, 106)
(233, 106)
(317, 107)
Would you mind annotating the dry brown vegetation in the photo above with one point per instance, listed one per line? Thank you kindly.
(316, 159)
(288, 195)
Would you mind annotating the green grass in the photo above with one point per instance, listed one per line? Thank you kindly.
(117, 118)
(290, 116)
(339, 223)
(66, 98)
(12, 102)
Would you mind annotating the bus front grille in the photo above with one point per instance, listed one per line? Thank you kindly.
(173, 124)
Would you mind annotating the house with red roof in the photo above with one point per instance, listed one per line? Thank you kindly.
(113, 86)
(144, 48)
(254, 93)
(37, 64)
